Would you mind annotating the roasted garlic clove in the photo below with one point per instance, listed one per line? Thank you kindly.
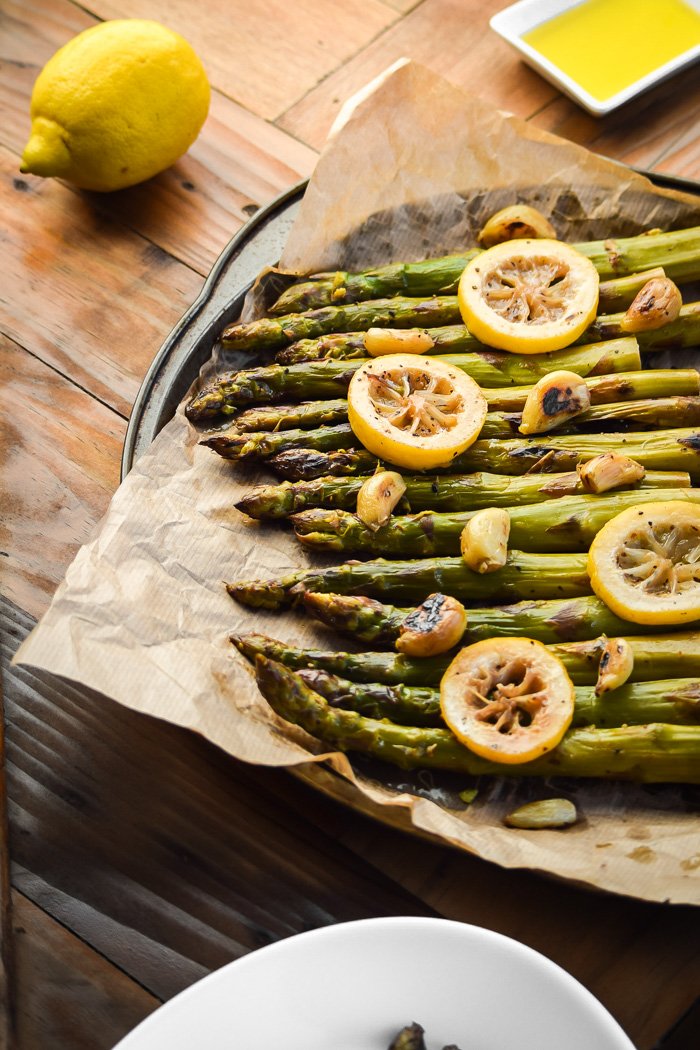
(658, 303)
(611, 470)
(381, 341)
(553, 400)
(616, 664)
(378, 497)
(434, 627)
(484, 540)
(548, 813)
(514, 223)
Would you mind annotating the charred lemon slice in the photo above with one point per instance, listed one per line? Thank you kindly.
(507, 699)
(645, 563)
(413, 411)
(529, 296)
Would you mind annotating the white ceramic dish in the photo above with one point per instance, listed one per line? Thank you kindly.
(354, 985)
(520, 18)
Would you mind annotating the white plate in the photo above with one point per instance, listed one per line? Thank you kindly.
(354, 985)
(520, 18)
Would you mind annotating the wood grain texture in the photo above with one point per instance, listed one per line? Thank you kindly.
(451, 37)
(68, 995)
(84, 294)
(642, 133)
(162, 853)
(60, 465)
(264, 55)
(239, 161)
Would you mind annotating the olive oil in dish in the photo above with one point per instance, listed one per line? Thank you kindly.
(608, 45)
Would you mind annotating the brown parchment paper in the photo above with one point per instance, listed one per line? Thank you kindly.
(412, 169)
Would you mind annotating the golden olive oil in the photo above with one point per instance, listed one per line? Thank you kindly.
(606, 45)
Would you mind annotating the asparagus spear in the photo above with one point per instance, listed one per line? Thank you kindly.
(618, 293)
(569, 523)
(231, 444)
(523, 576)
(329, 379)
(655, 658)
(271, 333)
(679, 334)
(603, 390)
(556, 620)
(446, 492)
(677, 252)
(652, 753)
(308, 465)
(651, 412)
(317, 413)
(667, 450)
(675, 701)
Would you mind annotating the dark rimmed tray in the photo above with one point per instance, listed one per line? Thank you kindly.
(256, 246)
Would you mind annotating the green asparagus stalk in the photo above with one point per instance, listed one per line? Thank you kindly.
(523, 576)
(318, 380)
(667, 450)
(446, 492)
(231, 444)
(649, 753)
(567, 524)
(677, 449)
(652, 412)
(618, 293)
(310, 414)
(675, 701)
(679, 334)
(407, 705)
(660, 412)
(348, 346)
(655, 658)
(308, 465)
(272, 333)
(677, 252)
(557, 620)
(603, 390)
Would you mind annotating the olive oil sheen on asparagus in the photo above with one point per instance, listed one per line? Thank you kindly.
(606, 45)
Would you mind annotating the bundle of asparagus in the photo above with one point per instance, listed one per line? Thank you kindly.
(293, 414)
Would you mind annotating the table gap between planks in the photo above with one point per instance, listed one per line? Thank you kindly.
(116, 893)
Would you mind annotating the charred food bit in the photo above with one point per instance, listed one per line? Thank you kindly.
(484, 540)
(378, 497)
(657, 304)
(611, 470)
(434, 627)
(548, 813)
(513, 223)
(553, 400)
(616, 665)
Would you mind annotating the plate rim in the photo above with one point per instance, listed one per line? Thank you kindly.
(411, 924)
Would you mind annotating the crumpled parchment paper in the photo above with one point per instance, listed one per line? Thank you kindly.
(412, 169)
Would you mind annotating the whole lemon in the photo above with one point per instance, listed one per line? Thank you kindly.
(117, 104)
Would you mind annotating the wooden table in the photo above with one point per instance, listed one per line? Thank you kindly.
(140, 858)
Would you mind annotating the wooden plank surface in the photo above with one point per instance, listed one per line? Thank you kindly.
(71, 996)
(131, 883)
(453, 38)
(263, 55)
